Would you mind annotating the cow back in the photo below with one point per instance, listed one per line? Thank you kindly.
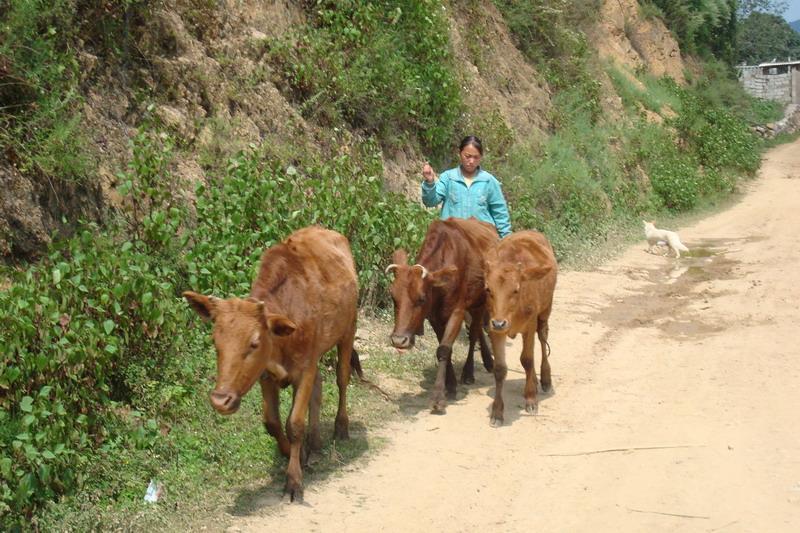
(462, 243)
(529, 249)
(311, 278)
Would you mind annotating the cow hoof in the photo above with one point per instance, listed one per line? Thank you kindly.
(467, 380)
(293, 495)
(489, 366)
(531, 408)
(438, 407)
(496, 422)
(340, 429)
(547, 387)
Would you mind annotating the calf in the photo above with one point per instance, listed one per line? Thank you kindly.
(443, 285)
(520, 280)
(302, 303)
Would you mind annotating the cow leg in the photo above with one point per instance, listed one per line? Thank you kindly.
(314, 439)
(444, 358)
(486, 352)
(270, 393)
(438, 328)
(475, 329)
(543, 329)
(500, 372)
(345, 349)
(450, 382)
(295, 427)
(450, 373)
(526, 359)
(468, 372)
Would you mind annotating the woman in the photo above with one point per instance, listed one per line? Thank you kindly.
(467, 190)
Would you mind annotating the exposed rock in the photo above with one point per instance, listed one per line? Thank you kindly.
(31, 211)
(624, 36)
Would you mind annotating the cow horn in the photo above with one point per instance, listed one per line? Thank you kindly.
(424, 270)
(390, 268)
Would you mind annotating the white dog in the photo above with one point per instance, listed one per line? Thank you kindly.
(656, 236)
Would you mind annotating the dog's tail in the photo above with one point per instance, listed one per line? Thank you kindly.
(676, 243)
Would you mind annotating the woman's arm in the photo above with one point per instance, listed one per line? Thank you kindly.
(499, 210)
(433, 193)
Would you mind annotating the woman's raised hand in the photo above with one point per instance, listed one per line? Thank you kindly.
(428, 173)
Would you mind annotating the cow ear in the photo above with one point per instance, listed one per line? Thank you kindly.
(205, 306)
(443, 277)
(280, 325)
(535, 272)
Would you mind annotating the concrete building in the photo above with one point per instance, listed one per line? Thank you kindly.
(777, 80)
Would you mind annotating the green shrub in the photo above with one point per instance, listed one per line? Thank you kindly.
(345, 194)
(382, 67)
(90, 334)
(718, 138)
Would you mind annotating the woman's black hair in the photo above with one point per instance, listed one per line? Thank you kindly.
(474, 141)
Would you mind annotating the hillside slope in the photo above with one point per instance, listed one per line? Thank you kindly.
(206, 77)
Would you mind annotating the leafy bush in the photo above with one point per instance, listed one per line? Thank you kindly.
(90, 326)
(383, 67)
(344, 193)
(90, 334)
(718, 139)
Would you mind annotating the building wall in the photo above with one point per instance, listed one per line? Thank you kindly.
(783, 88)
(796, 85)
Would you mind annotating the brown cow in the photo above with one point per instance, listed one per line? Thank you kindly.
(445, 283)
(302, 303)
(520, 279)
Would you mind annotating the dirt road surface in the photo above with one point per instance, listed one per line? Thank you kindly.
(676, 402)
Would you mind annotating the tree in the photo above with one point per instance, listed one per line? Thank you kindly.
(702, 26)
(775, 7)
(764, 37)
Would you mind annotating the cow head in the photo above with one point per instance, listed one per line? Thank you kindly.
(504, 283)
(244, 335)
(412, 292)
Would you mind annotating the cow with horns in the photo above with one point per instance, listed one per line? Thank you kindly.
(444, 285)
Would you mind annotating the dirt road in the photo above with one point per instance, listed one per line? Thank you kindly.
(676, 404)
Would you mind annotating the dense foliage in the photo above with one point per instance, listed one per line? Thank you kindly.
(383, 67)
(95, 325)
(706, 27)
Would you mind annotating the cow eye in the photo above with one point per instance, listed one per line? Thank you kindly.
(421, 300)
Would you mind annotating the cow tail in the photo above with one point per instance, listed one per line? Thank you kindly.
(355, 364)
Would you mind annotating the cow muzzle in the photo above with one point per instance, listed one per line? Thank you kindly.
(225, 403)
(499, 325)
(402, 342)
